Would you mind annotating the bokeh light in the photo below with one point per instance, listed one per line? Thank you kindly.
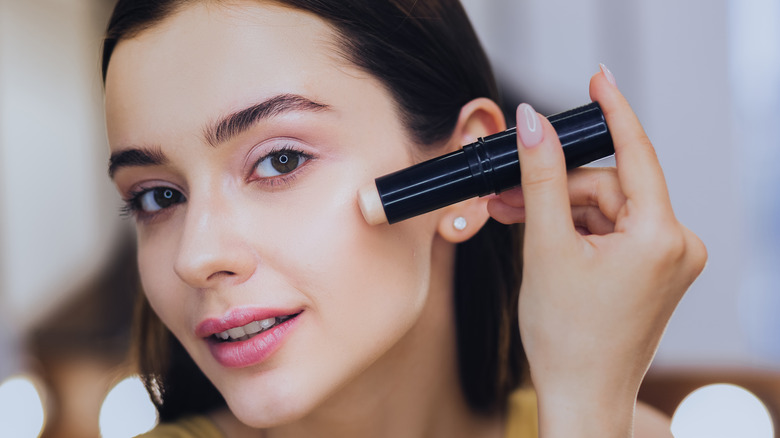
(21, 408)
(127, 411)
(722, 411)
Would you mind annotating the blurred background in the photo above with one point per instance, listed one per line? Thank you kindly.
(703, 76)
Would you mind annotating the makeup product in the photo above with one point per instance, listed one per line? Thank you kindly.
(489, 165)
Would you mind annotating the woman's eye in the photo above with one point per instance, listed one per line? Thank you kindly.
(157, 199)
(280, 163)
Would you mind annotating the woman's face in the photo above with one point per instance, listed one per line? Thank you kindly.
(242, 139)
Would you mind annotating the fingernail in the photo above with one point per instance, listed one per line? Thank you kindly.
(529, 127)
(608, 74)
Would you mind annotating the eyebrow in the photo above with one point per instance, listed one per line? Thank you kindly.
(239, 121)
(135, 157)
(220, 132)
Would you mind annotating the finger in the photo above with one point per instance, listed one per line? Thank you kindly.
(598, 187)
(588, 186)
(639, 171)
(505, 213)
(513, 197)
(592, 186)
(696, 254)
(592, 220)
(586, 219)
(543, 177)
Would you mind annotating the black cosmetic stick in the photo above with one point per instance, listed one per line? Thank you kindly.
(489, 165)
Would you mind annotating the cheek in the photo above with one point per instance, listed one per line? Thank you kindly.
(352, 271)
(377, 271)
(163, 289)
(367, 285)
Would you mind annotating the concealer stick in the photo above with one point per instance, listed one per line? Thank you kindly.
(489, 165)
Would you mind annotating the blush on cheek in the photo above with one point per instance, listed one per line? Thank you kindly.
(333, 254)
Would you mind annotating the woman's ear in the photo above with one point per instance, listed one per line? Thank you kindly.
(478, 118)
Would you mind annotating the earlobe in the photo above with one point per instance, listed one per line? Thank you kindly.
(478, 118)
(462, 221)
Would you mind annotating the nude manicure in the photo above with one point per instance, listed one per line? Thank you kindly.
(608, 74)
(529, 127)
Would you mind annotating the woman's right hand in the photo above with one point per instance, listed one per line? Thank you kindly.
(594, 305)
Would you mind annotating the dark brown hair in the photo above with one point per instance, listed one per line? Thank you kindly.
(428, 56)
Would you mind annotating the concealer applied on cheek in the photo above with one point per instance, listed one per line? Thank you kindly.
(271, 280)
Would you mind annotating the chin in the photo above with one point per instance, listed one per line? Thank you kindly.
(264, 406)
(278, 415)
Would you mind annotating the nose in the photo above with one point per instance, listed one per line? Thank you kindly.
(211, 250)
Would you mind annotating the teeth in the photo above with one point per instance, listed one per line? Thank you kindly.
(237, 332)
(252, 328)
(249, 330)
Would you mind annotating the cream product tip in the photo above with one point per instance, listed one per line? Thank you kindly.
(371, 205)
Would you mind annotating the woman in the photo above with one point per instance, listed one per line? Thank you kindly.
(240, 132)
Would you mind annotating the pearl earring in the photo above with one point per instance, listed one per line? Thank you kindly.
(459, 223)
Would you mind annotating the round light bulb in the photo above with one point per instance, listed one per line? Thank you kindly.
(722, 411)
(21, 408)
(127, 410)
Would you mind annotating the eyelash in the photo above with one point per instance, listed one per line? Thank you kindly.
(285, 178)
(133, 208)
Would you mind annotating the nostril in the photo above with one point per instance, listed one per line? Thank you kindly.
(224, 274)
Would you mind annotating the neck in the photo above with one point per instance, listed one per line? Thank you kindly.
(412, 391)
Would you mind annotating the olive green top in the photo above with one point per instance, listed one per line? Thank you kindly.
(521, 422)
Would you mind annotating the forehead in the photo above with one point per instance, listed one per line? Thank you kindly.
(208, 59)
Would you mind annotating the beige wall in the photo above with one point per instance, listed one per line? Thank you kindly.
(57, 210)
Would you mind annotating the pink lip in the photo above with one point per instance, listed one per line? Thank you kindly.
(237, 318)
(252, 351)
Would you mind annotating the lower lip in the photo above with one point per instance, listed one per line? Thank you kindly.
(254, 350)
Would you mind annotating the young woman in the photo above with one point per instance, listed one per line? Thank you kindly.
(240, 133)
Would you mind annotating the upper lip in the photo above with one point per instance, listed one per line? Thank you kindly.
(237, 318)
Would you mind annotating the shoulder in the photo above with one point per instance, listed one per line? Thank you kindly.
(188, 427)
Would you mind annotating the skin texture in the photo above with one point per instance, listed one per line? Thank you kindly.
(373, 351)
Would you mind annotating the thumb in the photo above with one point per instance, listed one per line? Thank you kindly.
(543, 177)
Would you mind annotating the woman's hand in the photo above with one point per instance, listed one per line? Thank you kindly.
(605, 264)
